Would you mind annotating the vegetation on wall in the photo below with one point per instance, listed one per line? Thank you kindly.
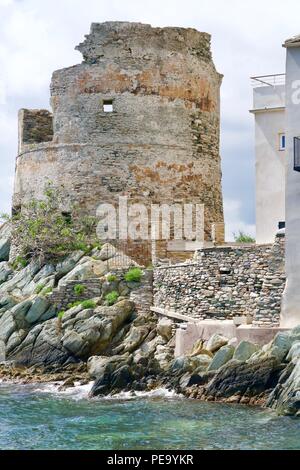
(42, 230)
(242, 237)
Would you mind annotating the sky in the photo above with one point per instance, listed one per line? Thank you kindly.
(38, 37)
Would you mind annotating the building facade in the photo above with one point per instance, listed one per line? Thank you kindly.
(139, 117)
(270, 154)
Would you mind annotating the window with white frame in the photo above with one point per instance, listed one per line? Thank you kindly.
(282, 141)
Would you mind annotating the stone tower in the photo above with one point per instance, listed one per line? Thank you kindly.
(140, 116)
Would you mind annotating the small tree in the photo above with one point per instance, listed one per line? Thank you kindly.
(42, 230)
(242, 237)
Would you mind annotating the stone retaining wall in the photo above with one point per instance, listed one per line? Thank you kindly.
(222, 283)
(140, 293)
(65, 295)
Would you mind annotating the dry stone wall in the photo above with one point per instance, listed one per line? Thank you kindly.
(222, 283)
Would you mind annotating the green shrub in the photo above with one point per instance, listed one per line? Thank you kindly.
(242, 237)
(47, 291)
(79, 289)
(112, 298)
(133, 275)
(39, 288)
(42, 231)
(20, 262)
(88, 304)
(61, 314)
(111, 278)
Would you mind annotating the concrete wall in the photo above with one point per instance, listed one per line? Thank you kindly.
(269, 112)
(291, 303)
(161, 142)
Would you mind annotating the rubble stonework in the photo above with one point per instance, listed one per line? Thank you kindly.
(222, 283)
(159, 145)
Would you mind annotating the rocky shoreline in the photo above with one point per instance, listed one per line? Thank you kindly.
(116, 342)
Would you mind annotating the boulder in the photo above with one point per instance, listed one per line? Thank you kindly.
(88, 268)
(245, 350)
(294, 353)
(97, 365)
(7, 326)
(38, 307)
(277, 348)
(4, 249)
(5, 271)
(221, 358)
(165, 328)
(184, 364)
(69, 263)
(216, 342)
(108, 251)
(7, 303)
(135, 337)
(241, 378)
(286, 396)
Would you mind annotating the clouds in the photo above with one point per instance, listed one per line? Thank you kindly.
(39, 37)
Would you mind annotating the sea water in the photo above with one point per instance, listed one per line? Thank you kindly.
(41, 417)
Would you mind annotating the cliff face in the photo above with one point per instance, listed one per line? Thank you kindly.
(139, 117)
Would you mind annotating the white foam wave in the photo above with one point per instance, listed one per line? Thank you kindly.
(133, 395)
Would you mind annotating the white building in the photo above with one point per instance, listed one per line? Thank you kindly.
(291, 300)
(270, 145)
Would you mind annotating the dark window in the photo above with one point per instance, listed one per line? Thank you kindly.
(282, 141)
(297, 153)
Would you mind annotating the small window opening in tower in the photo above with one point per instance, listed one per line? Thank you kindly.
(108, 106)
(67, 216)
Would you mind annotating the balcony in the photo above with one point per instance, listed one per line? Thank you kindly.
(268, 93)
(268, 80)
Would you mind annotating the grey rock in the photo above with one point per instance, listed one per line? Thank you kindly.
(69, 263)
(39, 306)
(7, 326)
(107, 252)
(221, 358)
(165, 328)
(4, 249)
(243, 378)
(216, 342)
(245, 350)
(5, 271)
(294, 353)
(19, 312)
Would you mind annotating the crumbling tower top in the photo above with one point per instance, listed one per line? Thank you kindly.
(124, 39)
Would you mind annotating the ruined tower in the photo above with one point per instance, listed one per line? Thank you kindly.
(139, 117)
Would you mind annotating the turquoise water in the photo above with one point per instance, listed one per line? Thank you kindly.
(42, 418)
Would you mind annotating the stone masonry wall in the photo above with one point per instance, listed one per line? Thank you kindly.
(161, 142)
(222, 283)
(35, 126)
(139, 293)
(65, 295)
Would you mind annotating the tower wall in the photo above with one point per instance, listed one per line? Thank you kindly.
(161, 142)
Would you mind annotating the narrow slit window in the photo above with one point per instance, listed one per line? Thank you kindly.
(108, 106)
(282, 142)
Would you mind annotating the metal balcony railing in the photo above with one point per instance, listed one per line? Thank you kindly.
(268, 80)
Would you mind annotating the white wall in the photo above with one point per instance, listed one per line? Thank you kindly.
(291, 300)
(269, 111)
(270, 174)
